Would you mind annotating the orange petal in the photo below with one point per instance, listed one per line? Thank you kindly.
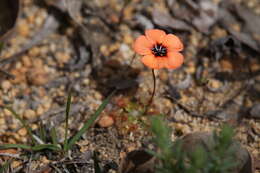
(173, 43)
(142, 46)
(162, 62)
(155, 35)
(150, 61)
(175, 60)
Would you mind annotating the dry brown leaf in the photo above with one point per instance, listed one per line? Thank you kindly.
(8, 18)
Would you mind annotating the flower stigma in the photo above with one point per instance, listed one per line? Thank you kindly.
(159, 50)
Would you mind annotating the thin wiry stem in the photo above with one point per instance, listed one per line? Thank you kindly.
(151, 99)
(67, 121)
(132, 60)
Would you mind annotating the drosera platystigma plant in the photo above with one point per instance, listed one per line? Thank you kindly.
(220, 157)
(159, 50)
(38, 143)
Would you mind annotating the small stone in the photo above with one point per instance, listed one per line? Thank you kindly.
(2, 121)
(114, 47)
(34, 126)
(97, 96)
(23, 29)
(128, 39)
(45, 160)
(6, 85)
(236, 27)
(47, 105)
(214, 84)
(184, 129)
(11, 141)
(39, 110)
(13, 125)
(29, 114)
(163, 75)
(104, 50)
(128, 12)
(37, 76)
(106, 121)
(255, 111)
(31, 18)
(219, 33)
(22, 132)
(7, 112)
(86, 81)
(19, 74)
(255, 67)
(62, 57)
(114, 18)
(37, 63)
(130, 148)
(1, 104)
(191, 68)
(226, 65)
(16, 164)
(34, 52)
(26, 61)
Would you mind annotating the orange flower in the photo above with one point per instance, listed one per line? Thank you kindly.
(159, 50)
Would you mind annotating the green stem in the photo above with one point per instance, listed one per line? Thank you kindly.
(67, 121)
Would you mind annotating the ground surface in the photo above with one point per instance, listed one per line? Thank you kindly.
(219, 81)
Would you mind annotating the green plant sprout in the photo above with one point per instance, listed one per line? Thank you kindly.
(220, 158)
(54, 146)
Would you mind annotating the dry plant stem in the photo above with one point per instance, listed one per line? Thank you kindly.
(8, 75)
(151, 99)
(132, 60)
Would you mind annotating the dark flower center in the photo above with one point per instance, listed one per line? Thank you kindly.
(159, 50)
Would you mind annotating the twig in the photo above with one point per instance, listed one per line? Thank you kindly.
(212, 117)
(8, 75)
(187, 110)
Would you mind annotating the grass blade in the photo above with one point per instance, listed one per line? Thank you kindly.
(90, 121)
(97, 167)
(46, 146)
(24, 123)
(42, 133)
(21, 146)
(67, 121)
(4, 167)
(54, 137)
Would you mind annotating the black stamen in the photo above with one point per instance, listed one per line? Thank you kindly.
(159, 50)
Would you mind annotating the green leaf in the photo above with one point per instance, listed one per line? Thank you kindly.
(162, 135)
(97, 167)
(67, 121)
(24, 123)
(46, 146)
(54, 136)
(90, 121)
(154, 154)
(27, 147)
(5, 166)
(42, 133)
(21, 146)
